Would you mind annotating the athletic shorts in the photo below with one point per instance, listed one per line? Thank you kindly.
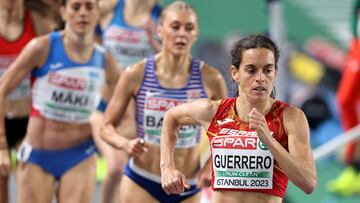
(56, 162)
(152, 184)
(15, 130)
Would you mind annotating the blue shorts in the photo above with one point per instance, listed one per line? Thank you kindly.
(56, 162)
(152, 184)
(15, 130)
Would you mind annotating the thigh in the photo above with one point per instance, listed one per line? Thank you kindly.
(132, 192)
(115, 159)
(78, 183)
(4, 196)
(34, 184)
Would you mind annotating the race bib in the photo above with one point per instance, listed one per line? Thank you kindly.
(128, 46)
(22, 91)
(68, 96)
(241, 161)
(155, 108)
(24, 152)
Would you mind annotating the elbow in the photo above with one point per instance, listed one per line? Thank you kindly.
(310, 185)
(103, 132)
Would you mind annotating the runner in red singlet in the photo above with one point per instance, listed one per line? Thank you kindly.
(257, 142)
(19, 23)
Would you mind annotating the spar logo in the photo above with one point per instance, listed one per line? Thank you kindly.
(125, 36)
(234, 132)
(161, 104)
(262, 145)
(238, 139)
(235, 142)
(193, 94)
(67, 82)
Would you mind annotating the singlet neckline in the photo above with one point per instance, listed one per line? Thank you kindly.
(192, 62)
(26, 24)
(241, 120)
(67, 57)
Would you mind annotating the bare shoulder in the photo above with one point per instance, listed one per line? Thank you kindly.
(293, 112)
(132, 76)
(37, 50)
(39, 46)
(205, 106)
(295, 120)
(203, 110)
(136, 71)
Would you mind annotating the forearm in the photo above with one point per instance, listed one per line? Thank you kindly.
(167, 142)
(3, 142)
(109, 134)
(301, 172)
(155, 44)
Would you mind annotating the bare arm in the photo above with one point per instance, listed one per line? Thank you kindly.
(198, 112)
(215, 88)
(298, 164)
(126, 88)
(112, 75)
(31, 57)
(106, 6)
(106, 11)
(150, 29)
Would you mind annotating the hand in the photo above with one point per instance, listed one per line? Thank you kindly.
(258, 123)
(136, 147)
(150, 28)
(5, 164)
(204, 177)
(173, 181)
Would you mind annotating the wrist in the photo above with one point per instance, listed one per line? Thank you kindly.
(3, 145)
(124, 143)
(165, 166)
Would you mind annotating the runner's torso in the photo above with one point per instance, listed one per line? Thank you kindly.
(152, 101)
(18, 102)
(127, 44)
(240, 161)
(64, 94)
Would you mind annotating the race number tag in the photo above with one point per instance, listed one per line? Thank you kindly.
(241, 161)
(24, 152)
(155, 108)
